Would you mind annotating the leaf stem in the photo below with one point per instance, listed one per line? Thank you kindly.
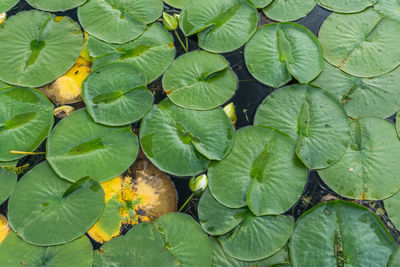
(180, 40)
(187, 201)
(27, 153)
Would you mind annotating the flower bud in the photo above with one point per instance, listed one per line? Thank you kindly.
(170, 22)
(230, 112)
(198, 184)
(3, 17)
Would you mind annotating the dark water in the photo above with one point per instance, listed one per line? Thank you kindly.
(248, 97)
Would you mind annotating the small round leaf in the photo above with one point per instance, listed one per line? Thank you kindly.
(177, 3)
(8, 181)
(287, 10)
(6, 5)
(116, 94)
(55, 5)
(199, 80)
(345, 6)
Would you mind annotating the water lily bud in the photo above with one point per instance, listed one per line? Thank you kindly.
(230, 112)
(170, 22)
(3, 17)
(63, 111)
(198, 184)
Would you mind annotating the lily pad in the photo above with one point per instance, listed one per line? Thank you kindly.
(199, 80)
(42, 200)
(362, 97)
(257, 238)
(312, 117)
(346, 6)
(177, 3)
(340, 233)
(118, 21)
(36, 48)
(392, 205)
(170, 241)
(6, 5)
(389, 8)
(116, 94)
(80, 142)
(398, 123)
(363, 44)
(154, 45)
(15, 252)
(262, 171)
(182, 142)
(8, 180)
(221, 26)
(287, 10)
(55, 5)
(261, 3)
(278, 51)
(26, 118)
(395, 259)
(221, 259)
(369, 169)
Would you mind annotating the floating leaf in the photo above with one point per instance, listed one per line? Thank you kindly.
(15, 252)
(42, 200)
(154, 45)
(36, 48)
(6, 5)
(175, 239)
(364, 44)
(392, 205)
(118, 21)
(55, 5)
(182, 142)
(378, 96)
(312, 117)
(221, 259)
(257, 238)
(8, 180)
(143, 194)
(116, 94)
(398, 123)
(92, 149)
(287, 10)
(177, 3)
(394, 259)
(261, 3)
(26, 118)
(221, 26)
(369, 169)
(345, 6)
(261, 171)
(278, 51)
(340, 233)
(200, 80)
(389, 8)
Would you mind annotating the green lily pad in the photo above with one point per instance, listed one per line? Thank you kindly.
(118, 21)
(42, 200)
(395, 259)
(215, 218)
(279, 50)
(182, 142)
(398, 123)
(261, 171)
(177, 3)
(55, 5)
(221, 259)
(6, 5)
(257, 238)
(363, 44)
(116, 94)
(199, 80)
(175, 239)
(287, 10)
(154, 45)
(389, 8)
(392, 205)
(346, 6)
(8, 181)
(261, 3)
(340, 233)
(26, 118)
(378, 96)
(312, 117)
(36, 49)
(15, 252)
(369, 169)
(221, 26)
(93, 149)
